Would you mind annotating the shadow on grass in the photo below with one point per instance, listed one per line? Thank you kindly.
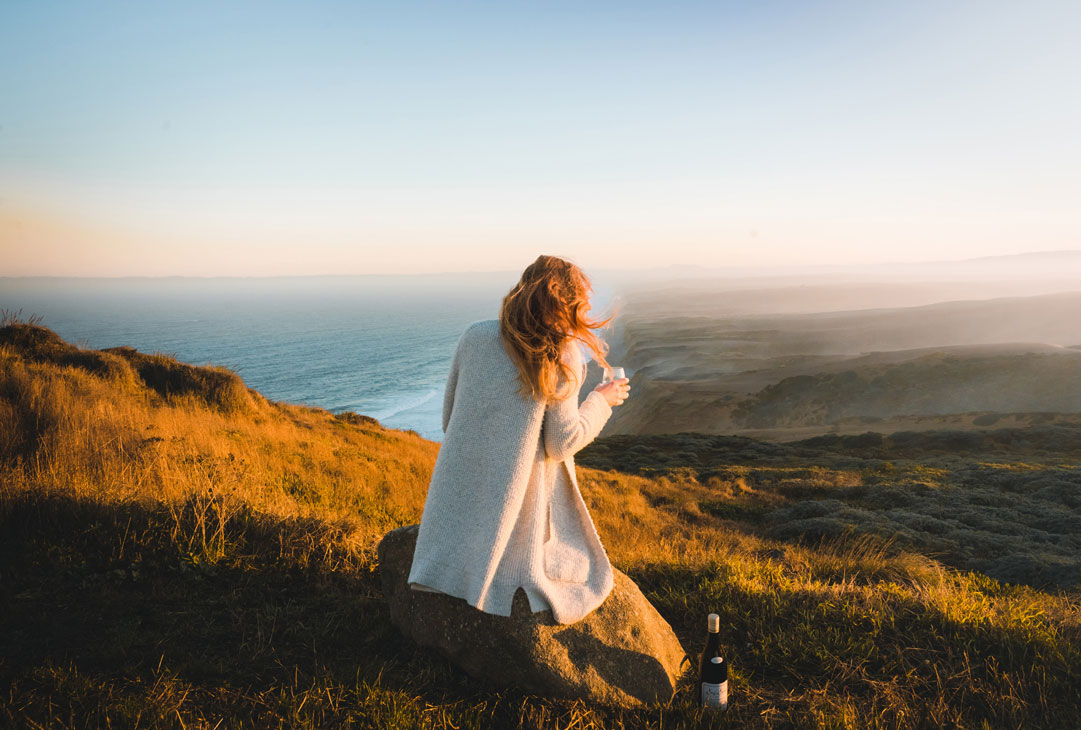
(106, 616)
(102, 588)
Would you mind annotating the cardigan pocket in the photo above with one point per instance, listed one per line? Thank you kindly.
(563, 561)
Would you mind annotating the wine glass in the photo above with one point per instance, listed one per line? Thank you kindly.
(614, 373)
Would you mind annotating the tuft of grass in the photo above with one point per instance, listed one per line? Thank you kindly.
(173, 380)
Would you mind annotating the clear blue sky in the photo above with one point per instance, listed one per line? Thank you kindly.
(263, 137)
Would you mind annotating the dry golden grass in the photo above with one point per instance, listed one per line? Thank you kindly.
(177, 551)
(110, 437)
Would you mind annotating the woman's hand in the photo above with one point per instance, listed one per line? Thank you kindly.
(615, 392)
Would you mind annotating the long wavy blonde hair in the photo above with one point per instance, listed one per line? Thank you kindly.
(547, 307)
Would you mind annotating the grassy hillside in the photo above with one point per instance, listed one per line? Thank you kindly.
(1005, 502)
(178, 551)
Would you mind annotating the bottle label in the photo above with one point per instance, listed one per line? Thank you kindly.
(715, 695)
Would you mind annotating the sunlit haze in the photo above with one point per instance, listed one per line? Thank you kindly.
(269, 138)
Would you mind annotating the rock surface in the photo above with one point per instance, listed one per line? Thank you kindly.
(622, 653)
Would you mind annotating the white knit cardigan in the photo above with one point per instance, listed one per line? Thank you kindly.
(503, 508)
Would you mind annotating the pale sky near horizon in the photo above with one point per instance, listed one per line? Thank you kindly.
(267, 138)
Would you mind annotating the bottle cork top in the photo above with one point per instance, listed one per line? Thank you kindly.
(714, 622)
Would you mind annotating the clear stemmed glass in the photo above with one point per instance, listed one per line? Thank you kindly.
(614, 373)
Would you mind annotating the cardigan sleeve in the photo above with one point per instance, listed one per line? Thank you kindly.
(568, 427)
(452, 383)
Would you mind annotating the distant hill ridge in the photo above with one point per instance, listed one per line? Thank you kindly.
(783, 375)
(935, 383)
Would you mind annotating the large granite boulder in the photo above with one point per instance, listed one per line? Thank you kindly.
(622, 653)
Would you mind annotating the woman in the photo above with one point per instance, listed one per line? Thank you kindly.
(503, 509)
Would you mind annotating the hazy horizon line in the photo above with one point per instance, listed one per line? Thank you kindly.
(624, 270)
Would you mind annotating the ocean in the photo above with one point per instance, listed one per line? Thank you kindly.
(377, 345)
